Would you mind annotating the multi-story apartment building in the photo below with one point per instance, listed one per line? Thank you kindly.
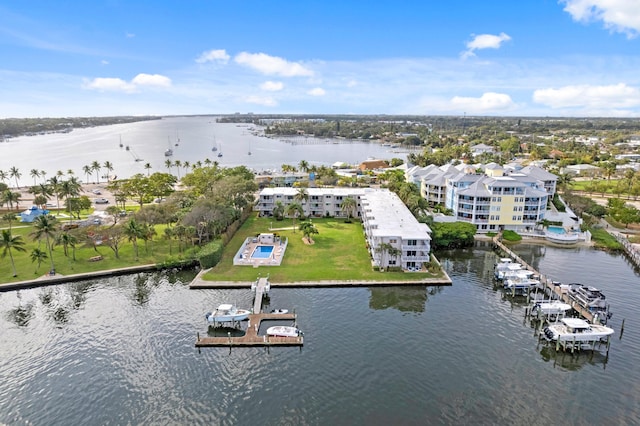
(394, 237)
(492, 200)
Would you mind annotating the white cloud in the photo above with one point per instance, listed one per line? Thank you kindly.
(107, 84)
(272, 86)
(261, 100)
(218, 55)
(621, 16)
(488, 102)
(129, 35)
(485, 41)
(110, 85)
(272, 65)
(104, 62)
(151, 80)
(589, 97)
(317, 91)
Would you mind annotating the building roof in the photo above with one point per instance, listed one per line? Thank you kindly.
(393, 218)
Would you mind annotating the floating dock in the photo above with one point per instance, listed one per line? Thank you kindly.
(251, 337)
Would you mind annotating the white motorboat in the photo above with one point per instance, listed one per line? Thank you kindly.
(504, 266)
(519, 281)
(283, 331)
(551, 307)
(576, 330)
(227, 313)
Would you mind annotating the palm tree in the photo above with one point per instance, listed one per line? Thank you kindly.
(67, 240)
(303, 165)
(86, 169)
(384, 249)
(147, 167)
(278, 210)
(308, 229)
(294, 210)
(39, 256)
(168, 164)
(3, 175)
(348, 206)
(45, 226)
(109, 167)
(95, 166)
(15, 173)
(68, 189)
(302, 196)
(8, 242)
(9, 217)
(10, 197)
(34, 173)
(43, 175)
(178, 164)
(134, 230)
(186, 165)
(55, 183)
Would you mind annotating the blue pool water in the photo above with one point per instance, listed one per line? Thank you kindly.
(556, 229)
(262, 252)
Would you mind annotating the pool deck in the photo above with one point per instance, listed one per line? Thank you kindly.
(244, 256)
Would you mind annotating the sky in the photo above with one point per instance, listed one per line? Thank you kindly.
(556, 58)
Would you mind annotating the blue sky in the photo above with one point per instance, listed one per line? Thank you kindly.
(127, 57)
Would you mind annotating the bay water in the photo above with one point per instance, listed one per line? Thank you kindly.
(121, 350)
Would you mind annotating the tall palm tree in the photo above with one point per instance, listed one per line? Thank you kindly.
(43, 175)
(68, 189)
(3, 175)
(147, 167)
(55, 183)
(9, 217)
(178, 164)
(9, 242)
(46, 226)
(109, 168)
(348, 206)
(95, 166)
(294, 210)
(67, 240)
(34, 173)
(302, 196)
(303, 166)
(39, 256)
(15, 173)
(168, 164)
(87, 170)
(10, 197)
(134, 230)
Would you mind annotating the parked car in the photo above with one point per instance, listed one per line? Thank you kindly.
(68, 226)
(97, 192)
(101, 201)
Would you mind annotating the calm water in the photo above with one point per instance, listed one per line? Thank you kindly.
(120, 351)
(149, 139)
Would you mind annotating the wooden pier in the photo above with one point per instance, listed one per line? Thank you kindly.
(251, 337)
(548, 284)
(262, 288)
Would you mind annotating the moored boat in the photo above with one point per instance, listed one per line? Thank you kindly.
(551, 307)
(283, 331)
(576, 330)
(227, 313)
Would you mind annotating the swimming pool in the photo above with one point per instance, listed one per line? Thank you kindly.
(262, 252)
(556, 229)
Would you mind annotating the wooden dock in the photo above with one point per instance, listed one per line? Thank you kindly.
(251, 337)
(548, 284)
(262, 288)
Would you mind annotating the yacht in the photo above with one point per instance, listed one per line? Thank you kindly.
(227, 313)
(589, 298)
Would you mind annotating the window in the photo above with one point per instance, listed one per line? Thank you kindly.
(393, 241)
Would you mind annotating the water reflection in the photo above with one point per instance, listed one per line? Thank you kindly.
(573, 362)
(404, 299)
(21, 314)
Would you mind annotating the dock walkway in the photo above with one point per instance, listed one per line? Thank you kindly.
(251, 337)
(547, 283)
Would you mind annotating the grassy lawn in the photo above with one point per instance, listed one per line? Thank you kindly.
(157, 251)
(339, 253)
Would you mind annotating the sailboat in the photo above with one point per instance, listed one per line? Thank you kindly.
(215, 145)
(220, 152)
(135, 156)
(168, 152)
(121, 142)
(177, 138)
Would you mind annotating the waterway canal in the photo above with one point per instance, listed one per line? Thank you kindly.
(121, 351)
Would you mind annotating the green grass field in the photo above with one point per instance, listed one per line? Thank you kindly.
(157, 251)
(339, 253)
